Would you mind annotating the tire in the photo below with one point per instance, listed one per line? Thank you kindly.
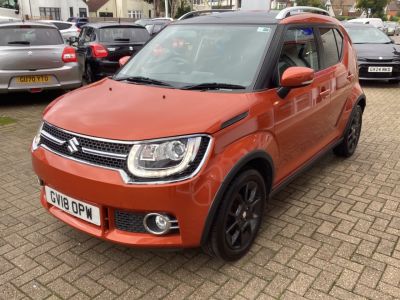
(89, 77)
(350, 139)
(239, 217)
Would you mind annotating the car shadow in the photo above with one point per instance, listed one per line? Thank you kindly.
(24, 99)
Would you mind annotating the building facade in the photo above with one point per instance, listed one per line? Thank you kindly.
(133, 9)
(43, 9)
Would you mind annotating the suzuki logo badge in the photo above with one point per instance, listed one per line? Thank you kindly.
(73, 145)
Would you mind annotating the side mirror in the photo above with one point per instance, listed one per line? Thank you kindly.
(295, 77)
(72, 40)
(123, 60)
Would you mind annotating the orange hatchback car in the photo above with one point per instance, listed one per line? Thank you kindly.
(185, 144)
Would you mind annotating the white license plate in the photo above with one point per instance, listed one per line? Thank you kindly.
(72, 206)
(380, 69)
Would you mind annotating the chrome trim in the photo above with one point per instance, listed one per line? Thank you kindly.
(284, 13)
(52, 138)
(104, 154)
(124, 176)
(169, 227)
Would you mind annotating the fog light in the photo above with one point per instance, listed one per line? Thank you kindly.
(159, 224)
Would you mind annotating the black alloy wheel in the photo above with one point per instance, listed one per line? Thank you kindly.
(352, 135)
(239, 217)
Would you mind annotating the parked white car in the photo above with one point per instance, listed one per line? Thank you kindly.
(67, 29)
(376, 22)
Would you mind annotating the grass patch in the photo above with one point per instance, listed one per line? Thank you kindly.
(6, 121)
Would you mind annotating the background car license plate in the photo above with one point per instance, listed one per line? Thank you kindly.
(35, 79)
(72, 206)
(380, 69)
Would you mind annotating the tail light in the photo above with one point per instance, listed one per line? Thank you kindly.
(99, 51)
(69, 55)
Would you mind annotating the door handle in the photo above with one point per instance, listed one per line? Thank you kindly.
(350, 77)
(325, 93)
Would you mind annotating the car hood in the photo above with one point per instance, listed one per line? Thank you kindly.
(123, 111)
(375, 51)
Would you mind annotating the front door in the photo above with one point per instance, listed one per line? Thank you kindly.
(300, 125)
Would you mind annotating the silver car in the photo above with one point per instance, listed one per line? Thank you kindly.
(33, 57)
(67, 29)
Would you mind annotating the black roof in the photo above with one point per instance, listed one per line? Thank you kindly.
(111, 24)
(234, 17)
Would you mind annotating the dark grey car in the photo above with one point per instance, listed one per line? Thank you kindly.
(33, 57)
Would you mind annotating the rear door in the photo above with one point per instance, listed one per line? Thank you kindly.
(340, 77)
(87, 36)
(123, 41)
(30, 47)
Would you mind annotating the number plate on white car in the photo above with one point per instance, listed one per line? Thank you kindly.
(72, 206)
(380, 69)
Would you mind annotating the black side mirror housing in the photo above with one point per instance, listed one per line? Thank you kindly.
(72, 40)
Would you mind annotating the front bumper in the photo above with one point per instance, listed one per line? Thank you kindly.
(66, 77)
(365, 75)
(188, 201)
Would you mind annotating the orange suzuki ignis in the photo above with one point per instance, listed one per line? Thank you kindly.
(185, 144)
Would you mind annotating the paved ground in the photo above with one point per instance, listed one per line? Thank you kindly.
(333, 233)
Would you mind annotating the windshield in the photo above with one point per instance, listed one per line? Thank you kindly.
(367, 35)
(124, 34)
(184, 55)
(27, 35)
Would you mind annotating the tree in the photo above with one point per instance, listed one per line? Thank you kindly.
(156, 6)
(314, 3)
(376, 6)
(183, 8)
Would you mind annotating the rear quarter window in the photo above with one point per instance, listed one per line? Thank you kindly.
(124, 34)
(29, 36)
(331, 53)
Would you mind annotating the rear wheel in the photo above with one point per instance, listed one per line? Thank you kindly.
(350, 139)
(239, 217)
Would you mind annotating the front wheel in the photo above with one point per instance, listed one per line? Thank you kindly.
(239, 217)
(350, 139)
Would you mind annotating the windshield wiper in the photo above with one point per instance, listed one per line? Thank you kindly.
(141, 79)
(19, 43)
(214, 86)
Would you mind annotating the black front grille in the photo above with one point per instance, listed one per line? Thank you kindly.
(129, 221)
(113, 148)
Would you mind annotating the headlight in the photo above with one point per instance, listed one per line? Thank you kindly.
(36, 139)
(163, 158)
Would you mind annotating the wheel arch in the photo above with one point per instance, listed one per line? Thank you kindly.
(258, 160)
(362, 101)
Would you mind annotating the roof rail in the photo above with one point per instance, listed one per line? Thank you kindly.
(290, 11)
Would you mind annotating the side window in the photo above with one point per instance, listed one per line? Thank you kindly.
(330, 48)
(82, 35)
(299, 50)
(90, 35)
(339, 42)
